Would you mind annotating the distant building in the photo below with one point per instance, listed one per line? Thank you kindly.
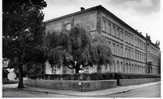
(133, 53)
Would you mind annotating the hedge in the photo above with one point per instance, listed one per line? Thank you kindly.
(94, 76)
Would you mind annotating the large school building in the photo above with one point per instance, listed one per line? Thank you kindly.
(132, 52)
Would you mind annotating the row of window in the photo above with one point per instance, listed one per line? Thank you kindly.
(122, 34)
(154, 70)
(154, 59)
(126, 51)
(124, 68)
(153, 50)
(140, 56)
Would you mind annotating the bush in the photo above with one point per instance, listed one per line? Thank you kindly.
(5, 73)
(95, 76)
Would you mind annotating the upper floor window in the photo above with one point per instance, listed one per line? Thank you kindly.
(68, 26)
(104, 25)
(113, 44)
(108, 27)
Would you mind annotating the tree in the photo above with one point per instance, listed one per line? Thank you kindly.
(100, 52)
(23, 30)
(76, 49)
(101, 55)
(79, 49)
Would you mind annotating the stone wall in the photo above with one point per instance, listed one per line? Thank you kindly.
(83, 86)
(72, 84)
(124, 82)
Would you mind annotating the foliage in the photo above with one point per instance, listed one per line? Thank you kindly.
(76, 49)
(5, 73)
(23, 31)
(34, 69)
(22, 24)
(101, 54)
(98, 76)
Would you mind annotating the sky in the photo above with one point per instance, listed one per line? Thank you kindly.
(142, 15)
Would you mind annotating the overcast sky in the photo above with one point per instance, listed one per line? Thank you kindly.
(143, 15)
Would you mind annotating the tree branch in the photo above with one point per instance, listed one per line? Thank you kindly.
(80, 68)
(70, 67)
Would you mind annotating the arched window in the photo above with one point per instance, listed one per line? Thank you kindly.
(126, 70)
(109, 67)
(136, 70)
(124, 67)
(132, 68)
(121, 67)
(113, 66)
(117, 66)
(117, 49)
(129, 68)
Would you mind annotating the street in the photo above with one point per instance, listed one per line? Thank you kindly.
(144, 91)
(14, 92)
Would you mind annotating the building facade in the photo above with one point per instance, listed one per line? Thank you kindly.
(133, 53)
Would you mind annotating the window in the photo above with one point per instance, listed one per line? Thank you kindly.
(126, 68)
(129, 52)
(113, 48)
(132, 69)
(121, 67)
(118, 32)
(124, 65)
(109, 42)
(117, 49)
(126, 51)
(114, 30)
(104, 25)
(68, 26)
(121, 34)
(113, 66)
(108, 27)
(106, 67)
(118, 66)
(129, 67)
(121, 50)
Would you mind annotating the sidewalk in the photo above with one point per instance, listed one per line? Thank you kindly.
(118, 89)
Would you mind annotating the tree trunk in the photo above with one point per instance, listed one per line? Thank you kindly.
(98, 68)
(77, 70)
(20, 84)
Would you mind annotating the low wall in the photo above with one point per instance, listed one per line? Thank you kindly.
(124, 82)
(72, 84)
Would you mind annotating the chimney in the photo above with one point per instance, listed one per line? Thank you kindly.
(82, 9)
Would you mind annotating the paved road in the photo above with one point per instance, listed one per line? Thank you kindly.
(144, 92)
(152, 90)
(14, 92)
(11, 90)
